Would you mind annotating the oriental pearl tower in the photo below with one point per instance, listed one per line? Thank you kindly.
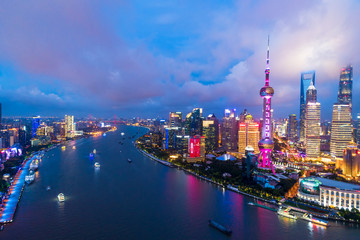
(266, 144)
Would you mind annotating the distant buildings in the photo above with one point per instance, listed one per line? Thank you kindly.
(312, 124)
(292, 132)
(307, 78)
(229, 131)
(249, 135)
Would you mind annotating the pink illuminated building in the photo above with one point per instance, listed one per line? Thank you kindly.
(266, 144)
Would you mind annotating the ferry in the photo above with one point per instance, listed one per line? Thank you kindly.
(220, 227)
(30, 177)
(286, 213)
(129, 160)
(63, 148)
(94, 151)
(310, 218)
(34, 165)
(122, 134)
(61, 197)
(97, 165)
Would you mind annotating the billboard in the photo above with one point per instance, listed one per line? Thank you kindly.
(194, 147)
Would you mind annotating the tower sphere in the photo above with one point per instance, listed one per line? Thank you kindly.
(266, 91)
(266, 143)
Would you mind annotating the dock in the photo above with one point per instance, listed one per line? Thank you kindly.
(14, 193)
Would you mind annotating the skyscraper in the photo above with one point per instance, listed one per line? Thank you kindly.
(69, 126)
(211, 133)
(312, 124)
(175, 119)
(229, 130)
(266, 144)
(306, 79)
(341, 129)
(193, 122)
(249, 134)
(35, 124)
(345, 86)
(292, 133)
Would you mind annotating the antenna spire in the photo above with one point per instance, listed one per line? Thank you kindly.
(267, 70)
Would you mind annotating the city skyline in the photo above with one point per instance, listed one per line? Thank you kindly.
(182, 64)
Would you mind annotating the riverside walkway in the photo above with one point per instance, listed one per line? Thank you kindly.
(14, 193)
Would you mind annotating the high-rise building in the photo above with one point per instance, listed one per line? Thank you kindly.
(170, 138)
(357, 128)
(229, 130)
(193, 122)
(312, 124)
(341, 129)
(292, 132)
(266, 144)
(307, 78)
(211, 133)
(0, 116)
(175, 119)
(350, 163)
(249, 134)
(69, 126)
(345, 86)
(36, 121)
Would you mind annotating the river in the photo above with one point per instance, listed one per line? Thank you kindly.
(141, 200)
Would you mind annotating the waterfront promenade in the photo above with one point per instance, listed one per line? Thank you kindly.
(14, 193)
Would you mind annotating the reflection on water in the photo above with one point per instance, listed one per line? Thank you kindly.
(142, 200)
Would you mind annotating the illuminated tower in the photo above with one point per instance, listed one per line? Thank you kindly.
(266, 144)
(345, 86)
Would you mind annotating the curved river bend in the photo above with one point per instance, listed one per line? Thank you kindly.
(141, 200)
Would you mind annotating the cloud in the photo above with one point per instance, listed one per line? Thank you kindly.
(120, 56)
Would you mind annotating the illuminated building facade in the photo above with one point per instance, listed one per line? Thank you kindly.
(312, 124)
(36, 121)
(229, 130)
(211, 133)
(249, 135)
(329, 193)
(266, 144)
(69, 126)
(175, 119)
(307, 78)
(345, 86)
(350, 164)
(341, 129)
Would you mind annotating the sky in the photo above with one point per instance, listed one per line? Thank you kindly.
(147, 58)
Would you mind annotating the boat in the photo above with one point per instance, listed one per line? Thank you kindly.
(63, 148)
(94, 151)
(34, 165)
(251, 203)
(220, 227)
(122, 134)
(30, 177)
(286, 213)
(97, 165)
(104, 134)
(61, 197)
(91, 155)
(48, 188)
(74, 147)
(308, 217)
(129, 160)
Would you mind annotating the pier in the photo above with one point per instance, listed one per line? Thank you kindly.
(14, 193)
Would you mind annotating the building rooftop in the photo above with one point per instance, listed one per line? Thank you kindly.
(337, 184)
